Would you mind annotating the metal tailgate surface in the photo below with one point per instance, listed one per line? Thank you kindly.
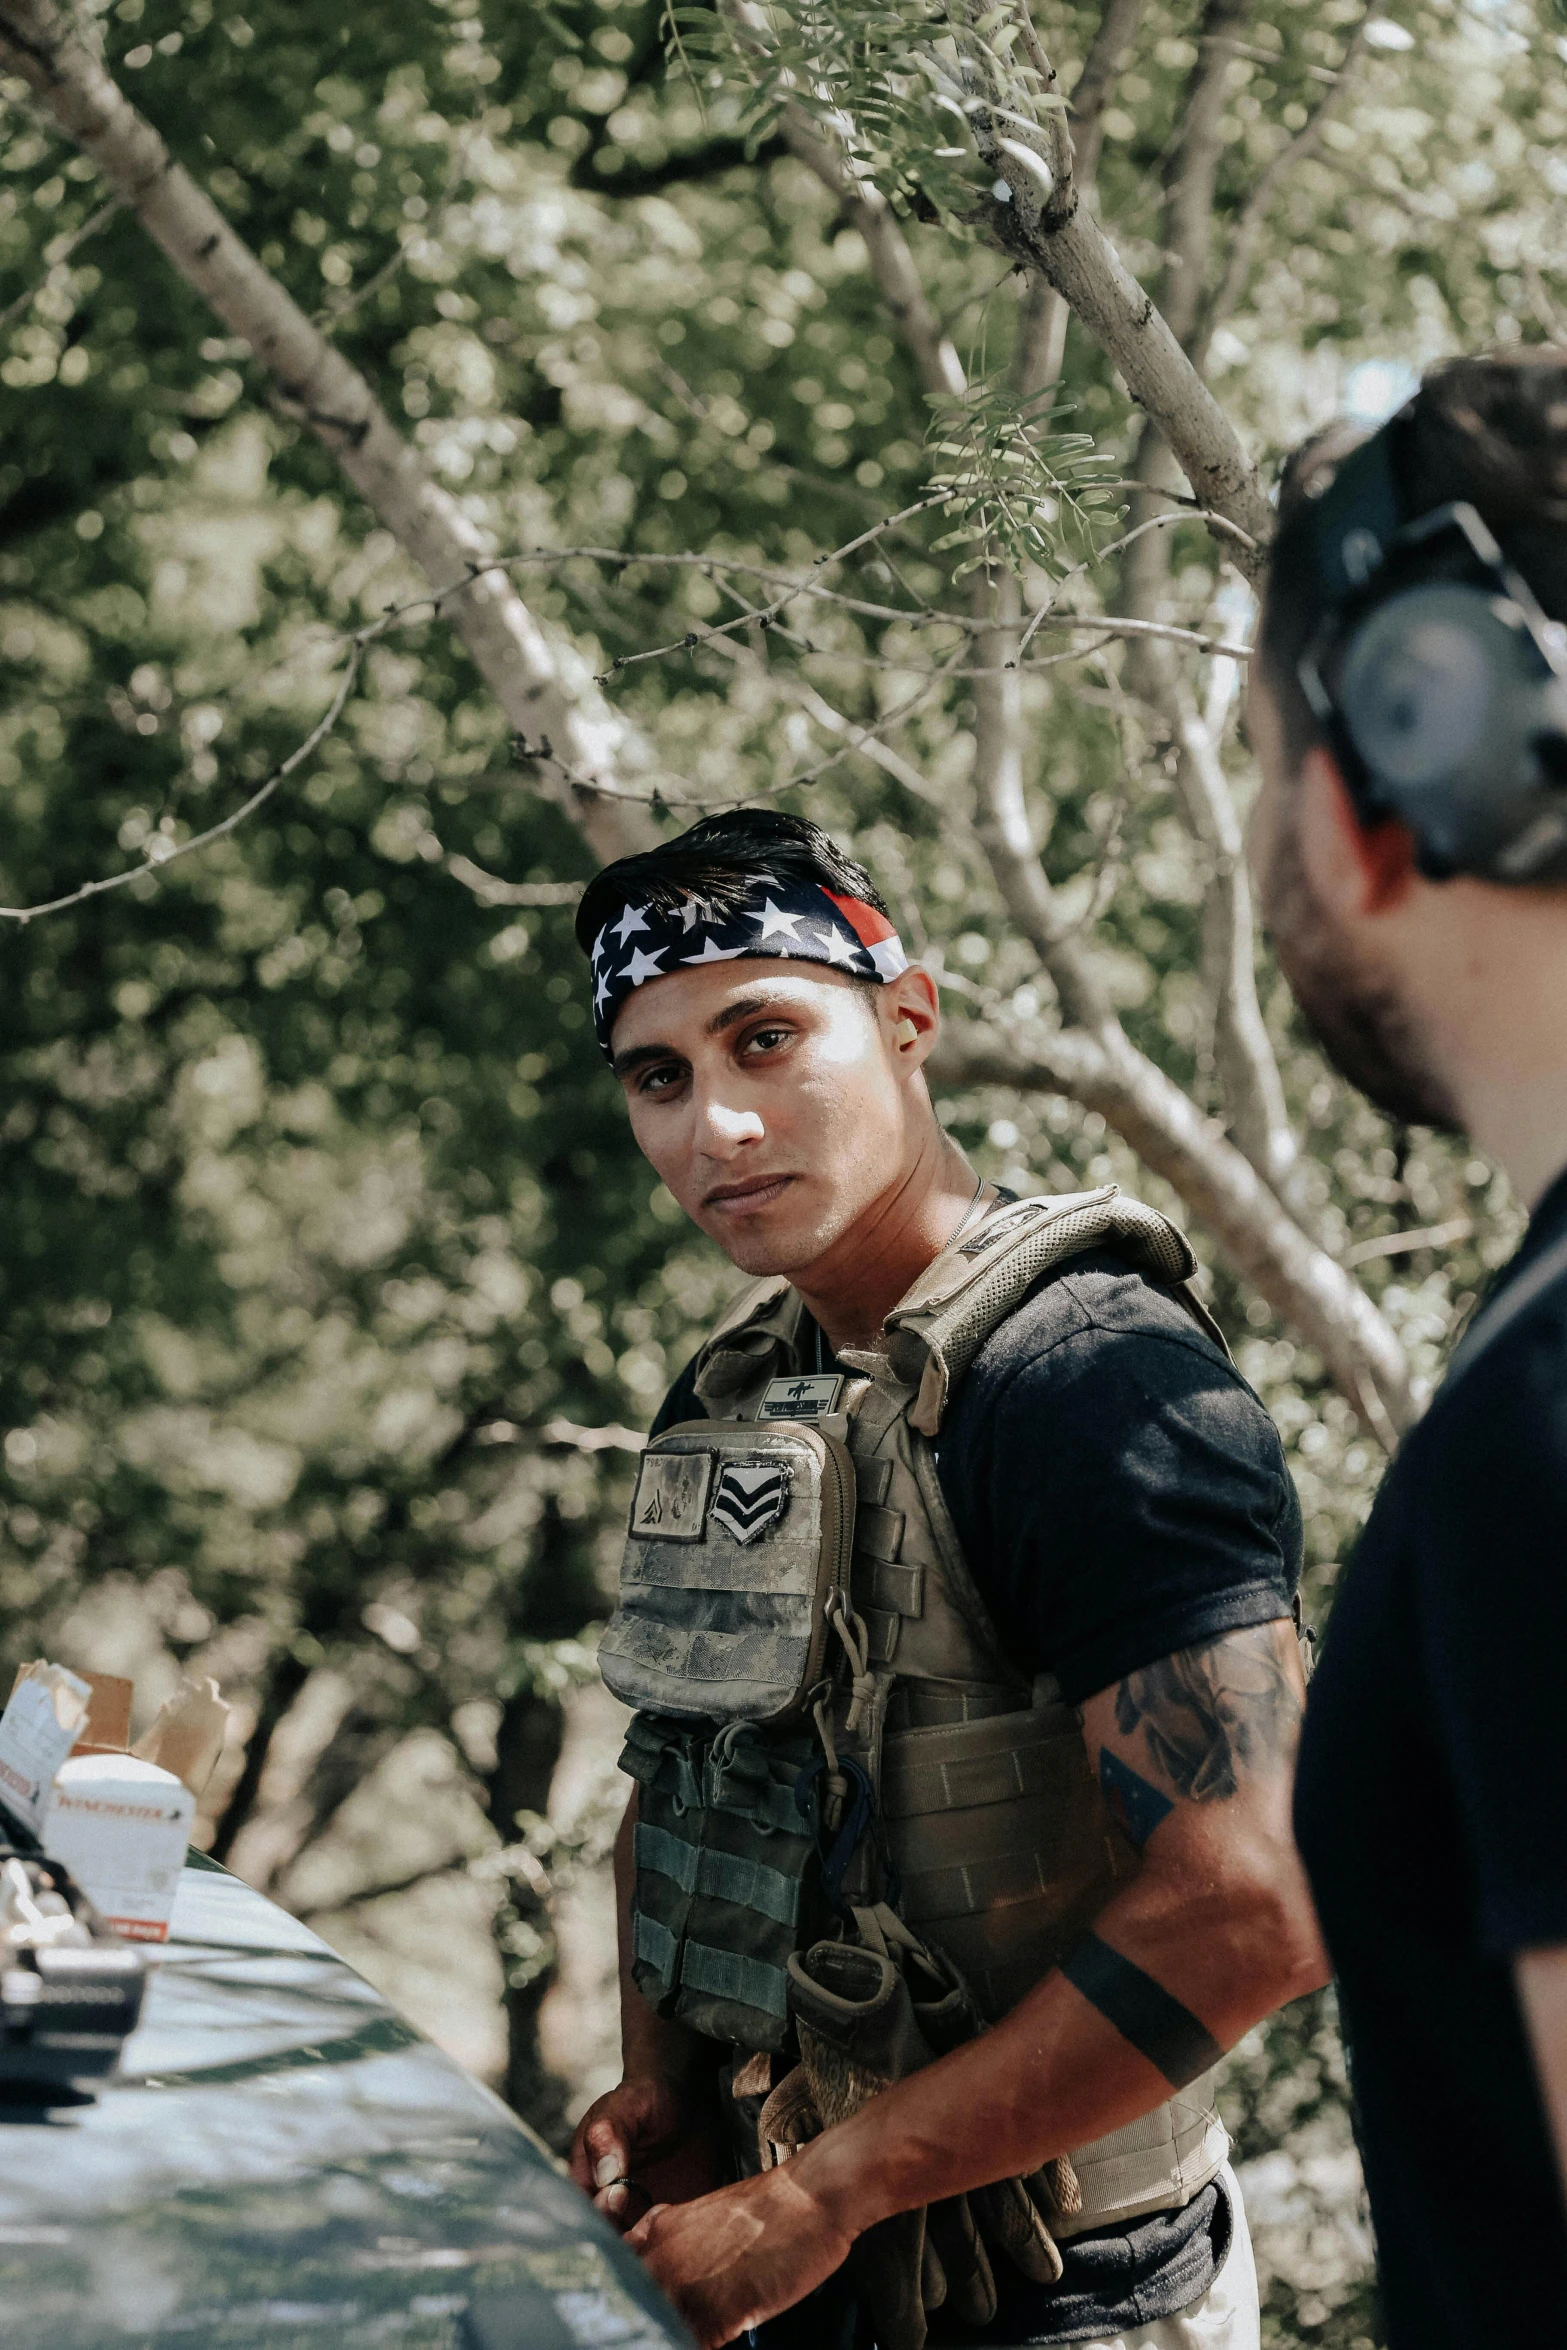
(282, 2161)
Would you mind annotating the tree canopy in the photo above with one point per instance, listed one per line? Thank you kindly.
(742, 339)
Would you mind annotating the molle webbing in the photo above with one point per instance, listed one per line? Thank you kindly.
(724, 1888)
(938, 1328)
(1002, 1842)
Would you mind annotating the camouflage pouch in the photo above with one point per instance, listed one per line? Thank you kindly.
(739, 1532)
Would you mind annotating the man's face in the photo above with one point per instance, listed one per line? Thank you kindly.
(1346, 982)
(767, 1099)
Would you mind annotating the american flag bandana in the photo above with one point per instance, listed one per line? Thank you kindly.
(798, 921)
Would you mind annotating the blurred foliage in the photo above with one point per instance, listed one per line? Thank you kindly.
(327, 1259)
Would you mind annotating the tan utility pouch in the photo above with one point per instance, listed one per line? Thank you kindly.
(739, 1532)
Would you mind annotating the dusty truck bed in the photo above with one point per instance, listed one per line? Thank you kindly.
(282, 2161)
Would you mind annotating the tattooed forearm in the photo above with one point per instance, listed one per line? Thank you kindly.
(1216, 1715)
(1142, 2010)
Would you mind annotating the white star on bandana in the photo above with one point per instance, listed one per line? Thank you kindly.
(837, 947)
(779, 918)
(777, 924)
(712, 952)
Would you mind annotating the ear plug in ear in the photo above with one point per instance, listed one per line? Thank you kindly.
(906, 1032)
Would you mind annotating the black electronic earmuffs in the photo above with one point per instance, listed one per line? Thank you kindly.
(1438, 680)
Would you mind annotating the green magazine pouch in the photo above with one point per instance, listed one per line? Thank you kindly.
(727, 1886)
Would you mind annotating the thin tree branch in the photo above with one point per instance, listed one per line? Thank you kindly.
(491, 890)
(1305, 1286)
(792, 688)
(1046, 226)
(892, 264)
(1246, 1066)
(162, 852)
(1247, 232)
(57, 253)
(583, 750)
(1398, 1244)
(1091, 94)
(1192, 170)
(1248, 1070)
(1041, 345)
(1001, 818)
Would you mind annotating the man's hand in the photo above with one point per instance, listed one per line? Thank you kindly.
(650, 2140)
(1541, 1976)
(736, 2258)
(658, 2138)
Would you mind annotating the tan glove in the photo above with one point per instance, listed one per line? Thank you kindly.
(867, 2013)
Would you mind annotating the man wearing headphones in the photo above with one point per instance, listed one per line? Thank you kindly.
(1409, 709)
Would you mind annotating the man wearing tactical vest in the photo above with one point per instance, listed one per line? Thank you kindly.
(956, 1620)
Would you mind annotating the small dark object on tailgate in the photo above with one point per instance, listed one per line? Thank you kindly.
(70, 1990)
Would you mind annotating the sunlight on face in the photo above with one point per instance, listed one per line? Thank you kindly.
(767, 1100)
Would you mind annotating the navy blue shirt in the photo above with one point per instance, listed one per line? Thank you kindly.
(1431, 1808)
(1119, 1493)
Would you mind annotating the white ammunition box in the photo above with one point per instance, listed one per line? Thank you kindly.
(121, 1826)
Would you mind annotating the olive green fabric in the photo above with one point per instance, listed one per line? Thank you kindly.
(725, 1876)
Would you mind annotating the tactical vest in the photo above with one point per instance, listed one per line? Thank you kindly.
(748, 1529)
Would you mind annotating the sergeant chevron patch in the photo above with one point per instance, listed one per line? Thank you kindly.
(748, 1501)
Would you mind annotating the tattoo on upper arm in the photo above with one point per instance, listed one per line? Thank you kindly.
(1138, 1806)
(1214, 1716)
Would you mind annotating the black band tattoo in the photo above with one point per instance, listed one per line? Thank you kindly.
(1142, 2011)
(1214, 1715)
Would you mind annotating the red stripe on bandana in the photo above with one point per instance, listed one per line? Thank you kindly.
(869, 927)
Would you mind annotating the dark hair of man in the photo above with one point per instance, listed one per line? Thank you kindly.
(720, 859)
(1489, 432)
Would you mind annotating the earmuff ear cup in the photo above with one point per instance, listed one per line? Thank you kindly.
(1458, 722)
(1419, 683)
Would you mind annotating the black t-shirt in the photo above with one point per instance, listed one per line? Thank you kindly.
(1431, 1807)
(1119, 1493)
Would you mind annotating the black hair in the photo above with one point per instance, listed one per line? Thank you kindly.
(719, 859)
(1491, 432)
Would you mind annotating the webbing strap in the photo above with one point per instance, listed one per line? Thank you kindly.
(889, 1586)
(723, 1875)
(882, 1627)
(656, 1945)
(724, 1974)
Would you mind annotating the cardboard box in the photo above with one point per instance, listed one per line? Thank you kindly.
(48, 1710)
(119, 1821)
(121, 1826)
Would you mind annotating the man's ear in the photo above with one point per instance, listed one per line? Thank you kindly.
(910, 1012)
(1356, 870)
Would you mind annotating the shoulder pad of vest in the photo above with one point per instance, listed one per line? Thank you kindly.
(934, 1333)
(752, 1303)
(762, 1316)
